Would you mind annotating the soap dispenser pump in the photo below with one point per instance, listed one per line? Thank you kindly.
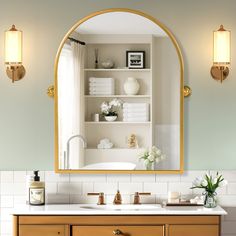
(37, 191)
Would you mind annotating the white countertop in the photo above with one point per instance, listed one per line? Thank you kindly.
(92, 209)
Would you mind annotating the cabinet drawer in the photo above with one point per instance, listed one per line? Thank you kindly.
(118, 230)
(42, 230)
(193, 230)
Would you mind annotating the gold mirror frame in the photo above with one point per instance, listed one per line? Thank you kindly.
(180, 57)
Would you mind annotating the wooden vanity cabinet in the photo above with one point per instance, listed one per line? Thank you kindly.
(132, 225)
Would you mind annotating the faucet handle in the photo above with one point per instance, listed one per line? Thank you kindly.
(137, 196)
(100, 197)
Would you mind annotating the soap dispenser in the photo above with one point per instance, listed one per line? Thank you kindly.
(37, 191)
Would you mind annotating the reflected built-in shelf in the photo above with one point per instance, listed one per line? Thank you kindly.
(117, 96)
(116, 123)
(119, 70)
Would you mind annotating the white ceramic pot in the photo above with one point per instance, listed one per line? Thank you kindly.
(110, 118)
(131, 86)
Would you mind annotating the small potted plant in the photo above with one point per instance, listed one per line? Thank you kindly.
(209, 183)
(152, 156)
(110, 109)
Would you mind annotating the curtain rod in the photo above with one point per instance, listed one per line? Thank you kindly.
(77, 41)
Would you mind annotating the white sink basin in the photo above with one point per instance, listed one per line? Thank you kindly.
(126, 207)
(111, 166)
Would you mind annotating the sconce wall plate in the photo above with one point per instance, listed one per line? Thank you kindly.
(219, 73)
(15, 73)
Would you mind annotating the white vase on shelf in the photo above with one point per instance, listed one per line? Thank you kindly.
(131, 86)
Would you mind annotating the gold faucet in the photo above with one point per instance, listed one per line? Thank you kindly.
(117, 199)
(100, 195)
(137, 197)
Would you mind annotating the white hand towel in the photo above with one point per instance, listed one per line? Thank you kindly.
(101, 93)
(136, 119)
(136, 106)
(135, 110)
(134, 115)
(100, 89)
(94, 79)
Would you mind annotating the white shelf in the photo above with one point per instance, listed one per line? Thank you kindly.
(116, 123)
(115, 149)
(117, 96)
(119, 70)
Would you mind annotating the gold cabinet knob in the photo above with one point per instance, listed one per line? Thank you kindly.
(117, 232)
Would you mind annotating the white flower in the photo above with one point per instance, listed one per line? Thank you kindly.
(204, 183)
(215, 180)
(197, 181)
(223, 183)
(115, 102)
(151, 158)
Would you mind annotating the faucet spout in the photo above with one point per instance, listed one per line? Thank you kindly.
(80, 137)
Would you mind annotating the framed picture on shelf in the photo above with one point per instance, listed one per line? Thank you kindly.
(135, 59)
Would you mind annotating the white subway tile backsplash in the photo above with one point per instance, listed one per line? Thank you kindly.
(107, 188)
(71, 188)
(88, 178)
(74, 188)
(87, 188)
(7, 177)
(19, 176)
(118, 178)
(130, 188)
(168, 178)
(50, 187)
(184, 188)
(51, 176)
(231, 188)
(143, 178)
(155, 188)
(7, 201)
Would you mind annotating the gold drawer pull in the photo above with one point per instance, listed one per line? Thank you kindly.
(117, 232)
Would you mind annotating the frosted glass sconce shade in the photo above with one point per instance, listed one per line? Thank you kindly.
(13, 54)
(221, 54)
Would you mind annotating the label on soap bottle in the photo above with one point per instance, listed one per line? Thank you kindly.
(36, 196)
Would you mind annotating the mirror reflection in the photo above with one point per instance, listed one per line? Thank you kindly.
(119, 96)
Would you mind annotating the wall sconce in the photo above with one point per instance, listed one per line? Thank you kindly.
(13, 54)
(221, 54)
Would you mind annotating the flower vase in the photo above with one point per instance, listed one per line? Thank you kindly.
(210, 200)
(110, 118)
(131, 86)
(149, 166)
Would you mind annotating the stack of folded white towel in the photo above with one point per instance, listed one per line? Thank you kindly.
(101, 86)
(135, 112)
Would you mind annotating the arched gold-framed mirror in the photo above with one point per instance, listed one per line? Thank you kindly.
(121, 48)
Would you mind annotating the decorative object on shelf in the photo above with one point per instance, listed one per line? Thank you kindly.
(136, 112)
(50, 91)
(101, 86)
(105, 144)
(135, 59)
(221, 54)
(131, 86)
(96, 117)
(13, 54)
(132, 141)
(108, 64)
(152, 156)
(96, 58)
(110, 109)
(187, 91)
(209, 183)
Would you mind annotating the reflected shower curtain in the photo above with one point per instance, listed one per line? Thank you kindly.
(71, 104)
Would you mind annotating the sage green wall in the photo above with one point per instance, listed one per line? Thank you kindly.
(26, 113)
